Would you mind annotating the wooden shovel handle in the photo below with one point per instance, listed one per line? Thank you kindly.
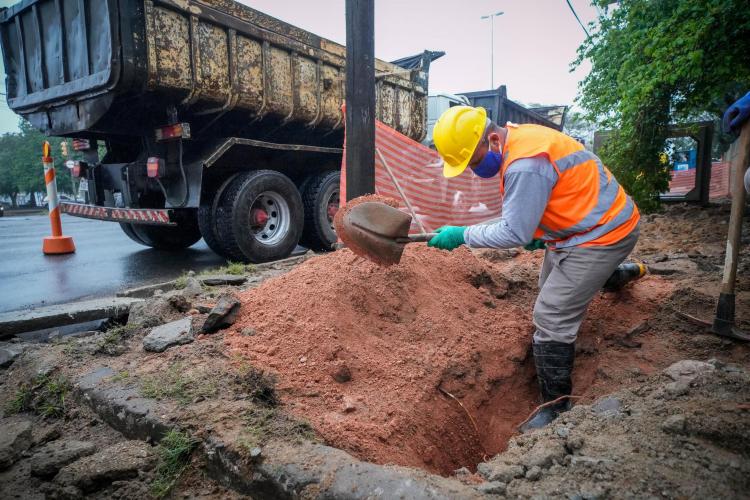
(417, 238)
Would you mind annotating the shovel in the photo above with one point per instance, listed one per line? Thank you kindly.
(378, 232)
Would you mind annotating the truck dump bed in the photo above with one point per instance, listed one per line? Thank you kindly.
(102, 67)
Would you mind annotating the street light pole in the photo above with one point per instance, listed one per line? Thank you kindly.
(492, 17)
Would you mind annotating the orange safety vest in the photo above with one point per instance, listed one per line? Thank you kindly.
(587, 206)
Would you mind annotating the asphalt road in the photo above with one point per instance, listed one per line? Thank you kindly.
(105, 262)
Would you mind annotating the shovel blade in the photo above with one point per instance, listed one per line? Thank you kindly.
(372, 230)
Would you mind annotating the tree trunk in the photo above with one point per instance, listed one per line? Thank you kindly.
(13, 200)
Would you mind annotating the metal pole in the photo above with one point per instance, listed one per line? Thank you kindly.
(492, 52)
(360, 98)
(492, 17)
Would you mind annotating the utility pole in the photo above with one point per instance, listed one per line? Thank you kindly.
(360, 98)
(492, 17)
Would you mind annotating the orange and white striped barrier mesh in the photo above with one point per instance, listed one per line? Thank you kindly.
(463, 200)
(57, 243)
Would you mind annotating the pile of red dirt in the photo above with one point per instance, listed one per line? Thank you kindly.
(376, 359)
(364, 354)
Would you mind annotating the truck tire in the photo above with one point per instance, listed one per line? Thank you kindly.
(259, 217)
(320, 198)
(130, 232)
(186, 233)
(207, 217)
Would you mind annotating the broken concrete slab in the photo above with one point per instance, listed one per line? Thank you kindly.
(687, 370)
(9, 352)
(27, 320)
(119, 461)
(192, 288)
(223, 314)
(223, 279)
(281, 471)
(123, 408)
(15, 438)
(55, 455)
(286, 472)
(146, 291)
(173, 333)
(152, 312)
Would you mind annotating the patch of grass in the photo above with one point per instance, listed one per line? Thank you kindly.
(120, 376)
(233, 268)
(174, 452)
(176, 382)
(236, 268)
(264, 423)
(111, 343)
(181, 282)
(45, 396)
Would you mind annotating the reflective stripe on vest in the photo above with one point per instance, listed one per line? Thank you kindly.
(587, 204)
(608, 191)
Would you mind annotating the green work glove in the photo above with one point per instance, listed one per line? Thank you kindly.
(534, 245)
(448, 237)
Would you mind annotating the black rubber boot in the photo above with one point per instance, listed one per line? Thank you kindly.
(554, 365)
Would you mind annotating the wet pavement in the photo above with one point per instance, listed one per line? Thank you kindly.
(106, 261)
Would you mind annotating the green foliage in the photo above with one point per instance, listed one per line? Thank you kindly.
(21, 168)
(656, 62)
(174, 452)
(45, 396)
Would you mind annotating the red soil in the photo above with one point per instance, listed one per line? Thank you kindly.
(436, 322)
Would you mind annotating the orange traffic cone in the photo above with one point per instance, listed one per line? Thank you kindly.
(57, 243)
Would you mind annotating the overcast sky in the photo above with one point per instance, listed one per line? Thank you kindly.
(535, 42)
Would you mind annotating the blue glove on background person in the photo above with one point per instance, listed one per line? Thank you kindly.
(448, 237)
(737, 114)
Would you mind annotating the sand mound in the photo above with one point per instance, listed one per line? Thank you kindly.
(366, 354)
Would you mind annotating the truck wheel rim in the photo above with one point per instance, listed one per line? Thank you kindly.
(276, 224)
(332, 206)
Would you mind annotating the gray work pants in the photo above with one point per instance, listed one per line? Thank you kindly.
(568, 281)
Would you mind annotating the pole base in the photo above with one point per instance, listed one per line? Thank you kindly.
(57, 245)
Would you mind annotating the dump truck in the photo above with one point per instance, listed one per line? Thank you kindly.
(197, 118)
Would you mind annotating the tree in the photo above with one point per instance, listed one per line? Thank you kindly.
(656, 62)
(21, 163)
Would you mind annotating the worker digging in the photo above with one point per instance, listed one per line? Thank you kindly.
(555, 194)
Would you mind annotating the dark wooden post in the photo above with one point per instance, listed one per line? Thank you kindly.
(360, 98)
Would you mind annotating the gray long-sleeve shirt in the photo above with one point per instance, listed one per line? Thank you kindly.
(528, 184)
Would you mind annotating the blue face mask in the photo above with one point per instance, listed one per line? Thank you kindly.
(490, 165)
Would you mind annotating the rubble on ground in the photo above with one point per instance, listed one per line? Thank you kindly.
(424, 364)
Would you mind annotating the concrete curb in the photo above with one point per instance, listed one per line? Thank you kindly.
(307, 470)
(28, 320)
(282, 471)
(146, 291)
(123, 408)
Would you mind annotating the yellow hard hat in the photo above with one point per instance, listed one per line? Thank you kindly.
(456, 135)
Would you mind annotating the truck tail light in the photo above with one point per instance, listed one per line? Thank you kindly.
(176, 131)
(77, 168)
(155, 167)
(81, 144)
